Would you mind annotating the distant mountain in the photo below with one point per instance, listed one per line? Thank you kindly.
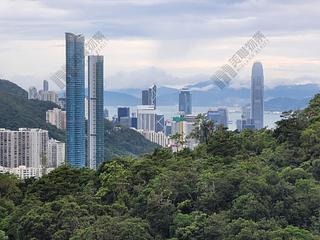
(120, 99)
(17, 111)
(293, 91)
(285, 104)
(280, 97)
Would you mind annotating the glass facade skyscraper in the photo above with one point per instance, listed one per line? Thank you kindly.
(75, 94)
(185, 103)
(149, 96)
(45, 85)
(257, 95)
(145, 97)
(95, 112)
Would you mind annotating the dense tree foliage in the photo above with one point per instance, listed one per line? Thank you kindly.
(261, 185)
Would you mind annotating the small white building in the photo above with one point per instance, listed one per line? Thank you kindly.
(157, 137)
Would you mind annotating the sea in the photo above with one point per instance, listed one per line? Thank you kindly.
(234, 113)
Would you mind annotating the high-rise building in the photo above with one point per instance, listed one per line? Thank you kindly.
(124, 116)
(32, 93)
(75, 93)
(95, 128)
(123, 112)
(257, 92)
(219, 116)
(56, 153)
(145, 97)
(149, 96)
(153, 96)
(57, 117)
(185, 102)
(160, 126)
(45, 85)
(246, 112)
(134, 122)
(146, 115)
(25, 147)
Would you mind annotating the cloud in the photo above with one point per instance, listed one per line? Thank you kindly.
(171, 42)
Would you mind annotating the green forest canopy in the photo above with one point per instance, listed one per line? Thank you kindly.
(261, 185)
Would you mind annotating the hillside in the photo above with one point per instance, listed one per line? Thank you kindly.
(253, 185)
(17, 111)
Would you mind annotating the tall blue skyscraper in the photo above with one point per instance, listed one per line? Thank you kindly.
(45, 86)
(75, 100)
(185, 103)
(95, 117)
(257, 89)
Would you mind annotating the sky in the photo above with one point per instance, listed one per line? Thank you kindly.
(166, 42)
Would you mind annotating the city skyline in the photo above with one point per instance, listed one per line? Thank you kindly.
(173, 42)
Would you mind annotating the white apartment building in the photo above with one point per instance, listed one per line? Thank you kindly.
(57, 117)
(25, 147)
(28, 152)
(146, 117)
(157, 137)
(56, 153)
(24, 172)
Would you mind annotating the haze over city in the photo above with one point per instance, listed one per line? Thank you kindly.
(169, 43)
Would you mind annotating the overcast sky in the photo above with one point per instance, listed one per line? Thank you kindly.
(167, 42)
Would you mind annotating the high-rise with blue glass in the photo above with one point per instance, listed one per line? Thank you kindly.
(95, 128)
(75, 94)
(185, 104)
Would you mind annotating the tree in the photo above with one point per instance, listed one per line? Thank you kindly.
(203, 130)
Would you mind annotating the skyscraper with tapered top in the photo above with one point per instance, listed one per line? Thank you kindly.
(257, 95)
(95, 128)
(75, 94)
